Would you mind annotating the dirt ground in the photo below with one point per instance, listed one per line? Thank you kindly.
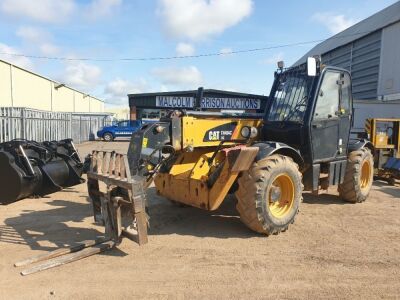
(334, 250)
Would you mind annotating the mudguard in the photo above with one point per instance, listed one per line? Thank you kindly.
(356, 144)
(270, 148)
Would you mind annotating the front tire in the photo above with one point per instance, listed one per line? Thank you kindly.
(269, 194)
(108, 137)
(359, 176)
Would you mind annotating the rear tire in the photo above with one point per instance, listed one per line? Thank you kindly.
(108, 137)
(359, 176)
(269, 194)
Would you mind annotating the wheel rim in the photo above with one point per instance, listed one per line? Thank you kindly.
(365, 176)
(281, 196)
(107, 137)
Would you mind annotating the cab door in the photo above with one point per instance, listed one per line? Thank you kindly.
(123, 129)
(325, 120)
(345, 112)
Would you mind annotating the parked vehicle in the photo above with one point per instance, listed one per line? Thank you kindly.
(119, 129)
(385, 136)
(301, 143)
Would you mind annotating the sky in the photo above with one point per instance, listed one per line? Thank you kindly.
(89, 45)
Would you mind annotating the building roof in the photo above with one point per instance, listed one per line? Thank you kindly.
(190, 92)
(381, 19)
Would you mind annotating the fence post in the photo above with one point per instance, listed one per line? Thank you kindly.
(23, 123)
(70, 126)
(80, 129)
(10, 124)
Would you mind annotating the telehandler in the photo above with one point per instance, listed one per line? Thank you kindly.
(301, 143)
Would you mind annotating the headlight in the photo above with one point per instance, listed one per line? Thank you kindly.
(248, 132)
(245, 132)
(253, 132)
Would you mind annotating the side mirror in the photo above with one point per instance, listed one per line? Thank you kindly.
(311, 66)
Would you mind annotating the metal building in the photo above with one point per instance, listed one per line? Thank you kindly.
(370, 49)
(22, 88)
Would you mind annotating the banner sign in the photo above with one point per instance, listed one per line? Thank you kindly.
(208, 102)
(174, 102)
(230, 103)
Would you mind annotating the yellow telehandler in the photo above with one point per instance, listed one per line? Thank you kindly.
(301, 143)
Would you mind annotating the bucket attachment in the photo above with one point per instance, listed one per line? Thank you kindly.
(29, 168)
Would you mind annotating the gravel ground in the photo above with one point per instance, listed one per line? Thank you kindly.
(334, 250)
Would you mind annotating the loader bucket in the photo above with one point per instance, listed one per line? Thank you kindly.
(29, 168)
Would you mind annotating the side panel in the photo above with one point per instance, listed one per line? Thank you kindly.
(206, 132)
(337, 170)
(195, 181)
(325, 138)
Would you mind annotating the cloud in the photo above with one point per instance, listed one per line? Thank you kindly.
(200, 19)
(47, 11)
(53, 11)
(81, 75)
(184, 49)
(334, 23)
(183, 77)
(48, 49)
(116, 91)
(36, 37)
(273, 59)
(102, 8)
(32, 34)
(20, 61)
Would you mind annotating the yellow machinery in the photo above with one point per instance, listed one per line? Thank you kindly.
(300, 143)
(384, 134)
(187, 181)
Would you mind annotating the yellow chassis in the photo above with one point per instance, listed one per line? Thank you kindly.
(196, 180)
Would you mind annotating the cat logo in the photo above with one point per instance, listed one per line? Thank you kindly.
(220, 133)
(213, 135)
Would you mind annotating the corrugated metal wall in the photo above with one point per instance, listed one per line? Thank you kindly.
(389, 85)
(362, 58)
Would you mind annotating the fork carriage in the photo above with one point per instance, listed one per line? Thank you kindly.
(123, 202)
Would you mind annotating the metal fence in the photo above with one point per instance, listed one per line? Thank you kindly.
(25, 123)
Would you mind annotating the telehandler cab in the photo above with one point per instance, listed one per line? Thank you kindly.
(301, 143)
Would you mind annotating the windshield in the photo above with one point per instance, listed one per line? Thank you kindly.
(290, 97)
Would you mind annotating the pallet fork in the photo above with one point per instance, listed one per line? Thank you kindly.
(122, 203)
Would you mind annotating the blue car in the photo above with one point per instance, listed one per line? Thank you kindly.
(119, 129)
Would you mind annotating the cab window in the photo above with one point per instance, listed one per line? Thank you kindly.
(328, 96)
(123, 124)
(345, 101)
